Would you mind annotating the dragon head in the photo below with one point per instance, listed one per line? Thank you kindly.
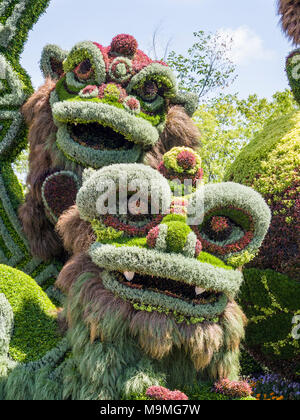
(169, 282)
(109, 104)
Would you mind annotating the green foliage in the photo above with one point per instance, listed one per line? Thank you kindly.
(35, 327)
(16, 19)
(249, 366)
(267, 162)
(176, 236)
(270, 300)
(211, 259)
(227, 124)
(205, 67)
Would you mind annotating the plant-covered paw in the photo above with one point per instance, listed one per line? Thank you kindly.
(59, 192)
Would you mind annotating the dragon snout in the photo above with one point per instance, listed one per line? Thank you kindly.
(174, 236)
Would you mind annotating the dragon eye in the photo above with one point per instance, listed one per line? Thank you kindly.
(149, 91)
(84, 70)
(225, 230)
(138, 220)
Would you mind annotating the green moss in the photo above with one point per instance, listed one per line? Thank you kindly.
(12, 185)
(33, 11)
(204, 257)
(126, 241)
(35, 327)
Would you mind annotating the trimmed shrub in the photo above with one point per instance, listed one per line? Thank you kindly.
(270, 295)
(35, 327)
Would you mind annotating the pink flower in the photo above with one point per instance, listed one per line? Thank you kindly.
(152, 237)
(233, 389)
(161, 393)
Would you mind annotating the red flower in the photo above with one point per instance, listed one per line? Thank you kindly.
(186, 159)
(124, 44)
(219, 223)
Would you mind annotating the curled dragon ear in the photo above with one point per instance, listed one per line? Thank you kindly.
(188, 100)
(293, 72)
(230, 220)
(52, 61)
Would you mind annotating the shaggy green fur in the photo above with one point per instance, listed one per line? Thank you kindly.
(35, 329)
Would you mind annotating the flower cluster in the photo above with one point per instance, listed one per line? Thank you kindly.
(181, 163)
(275, 387)
(219, 223)
(112, 92)
(161, 393)
(186, 159)
(233, 389)
(152, 237)
(123, 44)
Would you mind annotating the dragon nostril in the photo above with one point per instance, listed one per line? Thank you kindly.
(132, 104)
(157, 236)
(152, 237)
(198, 248)
(111, 92)
(90, 91)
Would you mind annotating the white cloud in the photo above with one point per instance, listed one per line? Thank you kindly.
(247, 46)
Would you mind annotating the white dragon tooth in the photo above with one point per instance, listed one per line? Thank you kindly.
(199, 290)
(129, 275)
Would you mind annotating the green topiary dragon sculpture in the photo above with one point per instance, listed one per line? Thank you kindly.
(149, 298)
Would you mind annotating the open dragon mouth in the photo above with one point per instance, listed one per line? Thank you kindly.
(174, 289)
(98, 137)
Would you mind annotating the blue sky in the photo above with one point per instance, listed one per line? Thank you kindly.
(259, 48)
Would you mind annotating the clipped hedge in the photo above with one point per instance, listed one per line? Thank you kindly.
(271, 295)
(35, 327)
(269, 300)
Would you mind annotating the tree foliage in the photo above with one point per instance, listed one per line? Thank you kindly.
(227, 124)
(206, 66)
